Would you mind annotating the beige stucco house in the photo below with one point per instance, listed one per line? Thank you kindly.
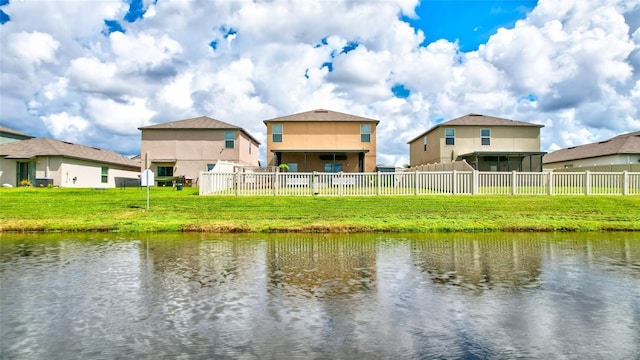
(622, 149)
(184, 148)
(45, 162)
(322, 140)
(486, 143)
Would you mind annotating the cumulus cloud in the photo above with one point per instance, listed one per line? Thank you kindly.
(572, 65)
(66, 127)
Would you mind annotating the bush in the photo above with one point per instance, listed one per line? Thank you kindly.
(25, 183)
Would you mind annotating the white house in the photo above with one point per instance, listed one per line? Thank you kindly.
(44, 161)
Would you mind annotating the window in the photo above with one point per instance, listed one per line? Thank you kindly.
(105, 175)
(210, 167)
(165, 170)
(293, 167)
(424, 141)
(331, 167)
(229, 139)
(450, 136)
(249, 147)
(365, 133)
(485, 136)
(276, 132)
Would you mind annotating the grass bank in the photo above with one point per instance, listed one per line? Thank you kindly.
(49, 210)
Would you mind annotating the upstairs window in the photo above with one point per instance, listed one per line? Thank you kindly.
(450, 136)
(485, 136)
(424, 141)
(104, 175)
(229, 139)
(365, 133)
(276, 133)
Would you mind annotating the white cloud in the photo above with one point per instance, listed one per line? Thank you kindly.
(33, 48)
(119, 117)
(66, 127)
(144, 51)
(571, 65)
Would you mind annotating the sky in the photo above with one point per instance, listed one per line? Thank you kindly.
(94, 71)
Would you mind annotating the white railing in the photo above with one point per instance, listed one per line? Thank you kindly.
(420, 183)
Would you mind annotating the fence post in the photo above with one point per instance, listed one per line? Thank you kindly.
(454, 182)
(415, 182)
(315, 183)
(340, 188)
(587, 183)
(514, 182)
(378, 183)
(474, 182)
(237, 182)
(550, 183)
(625, 183)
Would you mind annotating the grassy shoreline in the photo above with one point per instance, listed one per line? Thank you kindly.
(116, 210)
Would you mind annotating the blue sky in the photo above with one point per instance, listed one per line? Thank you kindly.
(470, 22)
(571, 65)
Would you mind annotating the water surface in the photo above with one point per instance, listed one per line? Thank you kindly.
(370, 296)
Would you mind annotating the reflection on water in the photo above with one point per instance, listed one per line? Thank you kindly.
(320, 296)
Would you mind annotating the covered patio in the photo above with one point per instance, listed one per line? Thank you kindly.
(348, 160)
(504, 161)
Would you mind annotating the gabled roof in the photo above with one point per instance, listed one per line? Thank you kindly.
(32, 148)
(478, 120)
(321, 115)
(198, 123)
(622, 144)
(6, 130)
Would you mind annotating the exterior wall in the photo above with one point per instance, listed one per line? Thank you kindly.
(63, 171)
(8, 138)
(330, 136)
(419, 156)
(248, 150)
(190, 151)
(8, 172)
(602, 160)
(468, 140)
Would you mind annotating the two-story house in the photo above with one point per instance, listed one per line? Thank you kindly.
(184, 148)
(322, 140)
(486, 143)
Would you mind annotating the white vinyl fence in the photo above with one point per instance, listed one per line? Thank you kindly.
(419, 183)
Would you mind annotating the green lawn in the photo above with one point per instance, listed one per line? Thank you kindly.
(54, 209)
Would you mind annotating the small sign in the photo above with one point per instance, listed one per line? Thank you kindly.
(147, 178)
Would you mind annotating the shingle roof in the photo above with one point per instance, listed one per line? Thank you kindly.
(201, 122)
(321, 115)
(31, 148)
(6, 130)
(622, 144)
(477, 120)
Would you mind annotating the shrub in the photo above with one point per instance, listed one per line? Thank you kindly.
(25, 183)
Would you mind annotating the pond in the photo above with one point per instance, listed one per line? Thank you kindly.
(303, 296)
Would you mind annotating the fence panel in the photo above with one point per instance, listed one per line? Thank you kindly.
(418, 183)
(495, 183)
(529, 183)
(633, 183)
(568, 184)
(606, 183)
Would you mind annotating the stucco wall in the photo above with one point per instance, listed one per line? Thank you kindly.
(468, 140)
(597, 161)
(191, 150)
(63, 171)
(328, 136)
